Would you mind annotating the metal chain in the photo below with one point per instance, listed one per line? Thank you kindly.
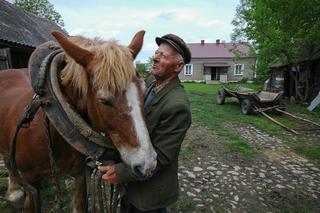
(97, 200)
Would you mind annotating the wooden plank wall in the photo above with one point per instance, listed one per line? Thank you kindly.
(5, 59)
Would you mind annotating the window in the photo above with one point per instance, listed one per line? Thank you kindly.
(188, 69)
(238, 69)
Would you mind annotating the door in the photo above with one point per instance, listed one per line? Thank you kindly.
(5, 62)
(215, 74)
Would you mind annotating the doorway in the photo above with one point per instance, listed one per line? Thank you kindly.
(215, 74)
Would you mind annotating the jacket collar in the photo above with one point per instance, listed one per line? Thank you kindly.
(175, 82)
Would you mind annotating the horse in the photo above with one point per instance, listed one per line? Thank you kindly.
(100, 82)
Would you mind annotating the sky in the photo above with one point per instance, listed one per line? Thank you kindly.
(192, 20)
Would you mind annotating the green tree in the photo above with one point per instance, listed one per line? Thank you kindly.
(279, 30)
(141, 69)
(42, 8)
(149, 63)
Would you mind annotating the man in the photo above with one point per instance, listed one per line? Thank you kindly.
(168, 118)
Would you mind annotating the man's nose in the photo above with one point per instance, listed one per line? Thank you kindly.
(155, 57)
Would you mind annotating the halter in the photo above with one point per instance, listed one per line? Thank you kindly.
(44, 66)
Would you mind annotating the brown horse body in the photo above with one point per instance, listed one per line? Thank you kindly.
(112, 106)
(32, 150)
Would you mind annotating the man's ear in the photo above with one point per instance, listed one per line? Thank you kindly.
(179, 67)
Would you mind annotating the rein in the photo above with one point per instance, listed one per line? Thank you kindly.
(24, 123)
(44, 67)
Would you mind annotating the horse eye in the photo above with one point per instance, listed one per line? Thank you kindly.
(106, 102)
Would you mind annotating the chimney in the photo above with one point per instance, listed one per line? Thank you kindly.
(202, 42)
(218, 41)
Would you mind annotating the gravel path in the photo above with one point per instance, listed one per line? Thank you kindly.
(215, 181)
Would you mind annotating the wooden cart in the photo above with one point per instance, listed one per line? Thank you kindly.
(259, 102)
(251, 100)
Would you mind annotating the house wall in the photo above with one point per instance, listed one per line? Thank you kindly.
(202, 73)
(197, 74)
(248, 69)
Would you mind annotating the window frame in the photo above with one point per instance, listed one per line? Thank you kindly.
(185, 70)
(241, 70)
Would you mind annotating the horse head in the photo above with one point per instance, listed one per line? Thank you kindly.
(101, 81)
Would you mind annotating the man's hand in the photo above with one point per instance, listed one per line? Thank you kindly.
(110, 175)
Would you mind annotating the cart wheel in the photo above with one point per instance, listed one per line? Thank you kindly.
(221, 96)
(246, 107)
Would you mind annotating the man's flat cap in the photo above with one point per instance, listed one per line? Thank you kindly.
(178, 44)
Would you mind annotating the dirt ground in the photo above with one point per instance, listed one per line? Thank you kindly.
(214, 179)
(274, 180)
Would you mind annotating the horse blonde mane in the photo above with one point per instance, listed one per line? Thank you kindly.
(113, 70)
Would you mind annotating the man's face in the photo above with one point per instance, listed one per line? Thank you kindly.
(165, 63)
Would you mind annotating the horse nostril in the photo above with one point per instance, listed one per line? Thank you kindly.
(138, 170)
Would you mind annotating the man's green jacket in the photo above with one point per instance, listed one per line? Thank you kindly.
(168, 118)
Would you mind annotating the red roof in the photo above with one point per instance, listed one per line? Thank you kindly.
(214, 50)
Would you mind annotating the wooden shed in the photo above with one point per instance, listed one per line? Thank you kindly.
(301, 82)
(20, 33)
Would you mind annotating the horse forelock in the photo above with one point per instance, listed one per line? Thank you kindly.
(113, 67)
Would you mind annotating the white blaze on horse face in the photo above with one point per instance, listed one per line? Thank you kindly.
(144, 158)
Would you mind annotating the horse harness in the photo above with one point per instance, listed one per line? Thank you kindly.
(44, 66)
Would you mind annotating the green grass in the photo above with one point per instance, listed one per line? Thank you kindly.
(207, 112)
(213, 88)
(216, 204)
(311, 152)
(48, 194)
(242, 147)
(187, 151)
(188, 205)
(298, 207)
(3, 180)
(4, 205)
(302, 109)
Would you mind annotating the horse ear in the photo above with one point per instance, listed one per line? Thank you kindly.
(136, 43)
(80, 55)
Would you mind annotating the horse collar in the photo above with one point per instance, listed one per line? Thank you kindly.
(44, 66)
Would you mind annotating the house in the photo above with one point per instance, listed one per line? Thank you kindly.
(219, 62)
(20, 33)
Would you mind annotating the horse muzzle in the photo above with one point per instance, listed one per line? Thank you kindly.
(145, 168)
